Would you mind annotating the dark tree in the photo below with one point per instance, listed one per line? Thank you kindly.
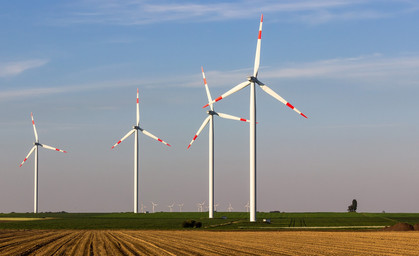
(353, 206)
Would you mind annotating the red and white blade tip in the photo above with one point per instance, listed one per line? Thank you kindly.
(116, 144)
(194, 138)
(164, 142)
(23, 162)
(292, 107)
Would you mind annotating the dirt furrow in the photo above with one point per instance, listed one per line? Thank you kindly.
(31, 246)
(110, 242)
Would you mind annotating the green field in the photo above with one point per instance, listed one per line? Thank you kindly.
(222, 220)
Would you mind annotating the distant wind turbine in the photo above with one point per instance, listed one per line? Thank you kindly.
(215, 207)
(143, 208)
(210, 120)
(35, 148)
(247, 206)
(180, 207)
(154, 206)
(171, 207)
(200, 206)
(252, 80)
(135, 130)
(229, 209)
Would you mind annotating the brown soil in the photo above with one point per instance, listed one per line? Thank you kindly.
(416, 227)
(399, 227)
(107, 242)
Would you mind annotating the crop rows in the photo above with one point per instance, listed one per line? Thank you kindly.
(107, 242)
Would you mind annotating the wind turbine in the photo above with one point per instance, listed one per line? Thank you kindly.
(229, 209)
(154, 205)
(215, 207)
(171, 207)
(180, 207)
(143, 208)
(200, 206)
(135, 130)
(252, 80)
(35, 148)
(247, 206)
(210, 120)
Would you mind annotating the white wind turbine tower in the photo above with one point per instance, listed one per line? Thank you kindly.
(252, 80)
(35, 148)
(180, 207)
(210, 120)
(215, 207)
(229, 209)
(135, 130)
(171, 207)
(154, 206)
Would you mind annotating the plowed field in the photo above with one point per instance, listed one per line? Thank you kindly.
(103, 242)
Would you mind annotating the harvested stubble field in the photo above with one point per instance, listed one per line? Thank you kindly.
(148, 242)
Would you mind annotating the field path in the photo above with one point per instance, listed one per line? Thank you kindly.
(123, 242)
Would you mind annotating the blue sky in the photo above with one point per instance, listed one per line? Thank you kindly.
(350, 66)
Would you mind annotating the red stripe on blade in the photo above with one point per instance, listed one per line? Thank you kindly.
(289, 105)
(57, 149)
(205, 80)
(304, 115)
(160, 140)
(260, 34)
(244, 120)
(219, 98)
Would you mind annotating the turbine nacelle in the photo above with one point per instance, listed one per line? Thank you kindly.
(253, 79)
(211, 112)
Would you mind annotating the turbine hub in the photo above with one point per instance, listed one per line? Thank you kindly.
(252, 79)
(210, 112)
(136, 127)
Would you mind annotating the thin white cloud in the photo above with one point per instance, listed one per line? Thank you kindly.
(373, 70)
(15, 68)
(138, 12)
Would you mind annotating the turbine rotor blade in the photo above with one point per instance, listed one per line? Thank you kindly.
(232, 117)
(257, 56)
(123, 138)
(52, 148)
(34, 128)
(231, 91)
(154, 137)
(26, 158)
(199, 130)
(206, 88)
(276, 96)
(138, 108)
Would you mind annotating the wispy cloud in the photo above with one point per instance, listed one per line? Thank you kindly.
(372, 70)
(17, 67)
(138, 12)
